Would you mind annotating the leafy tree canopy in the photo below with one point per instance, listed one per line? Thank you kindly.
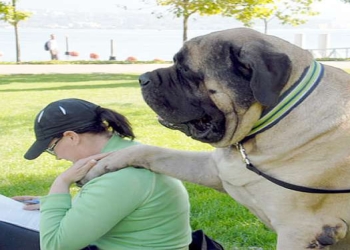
(288, 12)
(188, 7)
(246, 10)
(9, 13)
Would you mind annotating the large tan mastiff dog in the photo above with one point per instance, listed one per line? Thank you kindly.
(263, 103)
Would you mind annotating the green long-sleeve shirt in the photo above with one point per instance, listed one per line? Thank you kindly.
(129, 209)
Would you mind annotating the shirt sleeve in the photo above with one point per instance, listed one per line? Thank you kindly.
(100, 205)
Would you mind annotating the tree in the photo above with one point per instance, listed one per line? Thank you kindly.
(186, 8)
(288, 12)
(243, 10)
(10, 14)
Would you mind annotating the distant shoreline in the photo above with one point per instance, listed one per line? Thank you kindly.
(145, 45)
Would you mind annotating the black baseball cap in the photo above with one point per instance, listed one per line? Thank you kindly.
(58, 117)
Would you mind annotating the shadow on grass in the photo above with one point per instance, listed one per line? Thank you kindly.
(70, 87)
(44, 78)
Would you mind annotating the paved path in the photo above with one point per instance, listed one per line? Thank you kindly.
(101, 68)
(79, 68)
(342, 65)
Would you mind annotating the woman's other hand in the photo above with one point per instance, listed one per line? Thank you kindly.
(75, 173)
(29, 202)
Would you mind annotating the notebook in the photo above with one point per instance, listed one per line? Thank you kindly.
(11, 211)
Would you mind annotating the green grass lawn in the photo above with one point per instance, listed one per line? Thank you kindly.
(22, 96)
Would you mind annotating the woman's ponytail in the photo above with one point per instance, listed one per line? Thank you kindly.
(115, 122)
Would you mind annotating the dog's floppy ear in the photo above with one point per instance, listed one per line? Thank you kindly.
(270, 70)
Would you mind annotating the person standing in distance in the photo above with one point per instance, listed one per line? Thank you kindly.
(53, 47)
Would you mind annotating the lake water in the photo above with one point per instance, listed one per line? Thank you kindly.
(142, 44)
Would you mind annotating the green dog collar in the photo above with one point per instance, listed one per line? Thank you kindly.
(301, 89)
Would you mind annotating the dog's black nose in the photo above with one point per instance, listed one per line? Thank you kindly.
(144, 79)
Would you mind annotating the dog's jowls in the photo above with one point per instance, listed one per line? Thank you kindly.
(216, 91)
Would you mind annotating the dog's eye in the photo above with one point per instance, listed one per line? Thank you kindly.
(181, 68)
(245, 71)
(186, 74)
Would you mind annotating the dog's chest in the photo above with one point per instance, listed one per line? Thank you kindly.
(245, 186)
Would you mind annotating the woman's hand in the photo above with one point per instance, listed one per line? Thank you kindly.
(75, 173)
(30, 202)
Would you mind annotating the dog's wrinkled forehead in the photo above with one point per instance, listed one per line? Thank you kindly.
(211, 49)
(187, 56)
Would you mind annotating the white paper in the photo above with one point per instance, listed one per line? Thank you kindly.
(12, 211)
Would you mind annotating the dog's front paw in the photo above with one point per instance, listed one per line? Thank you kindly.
(329, 236)
(94, 172)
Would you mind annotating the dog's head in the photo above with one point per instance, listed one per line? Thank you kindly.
(219, 84)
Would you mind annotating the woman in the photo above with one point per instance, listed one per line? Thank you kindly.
(129, 209)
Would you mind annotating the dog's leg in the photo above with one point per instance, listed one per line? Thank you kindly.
(195, 167)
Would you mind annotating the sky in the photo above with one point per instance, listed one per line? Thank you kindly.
(334, 10)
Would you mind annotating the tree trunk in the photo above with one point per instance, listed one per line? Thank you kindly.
(185, 28)
(18, 50)
(15, 25)
(265, 25)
